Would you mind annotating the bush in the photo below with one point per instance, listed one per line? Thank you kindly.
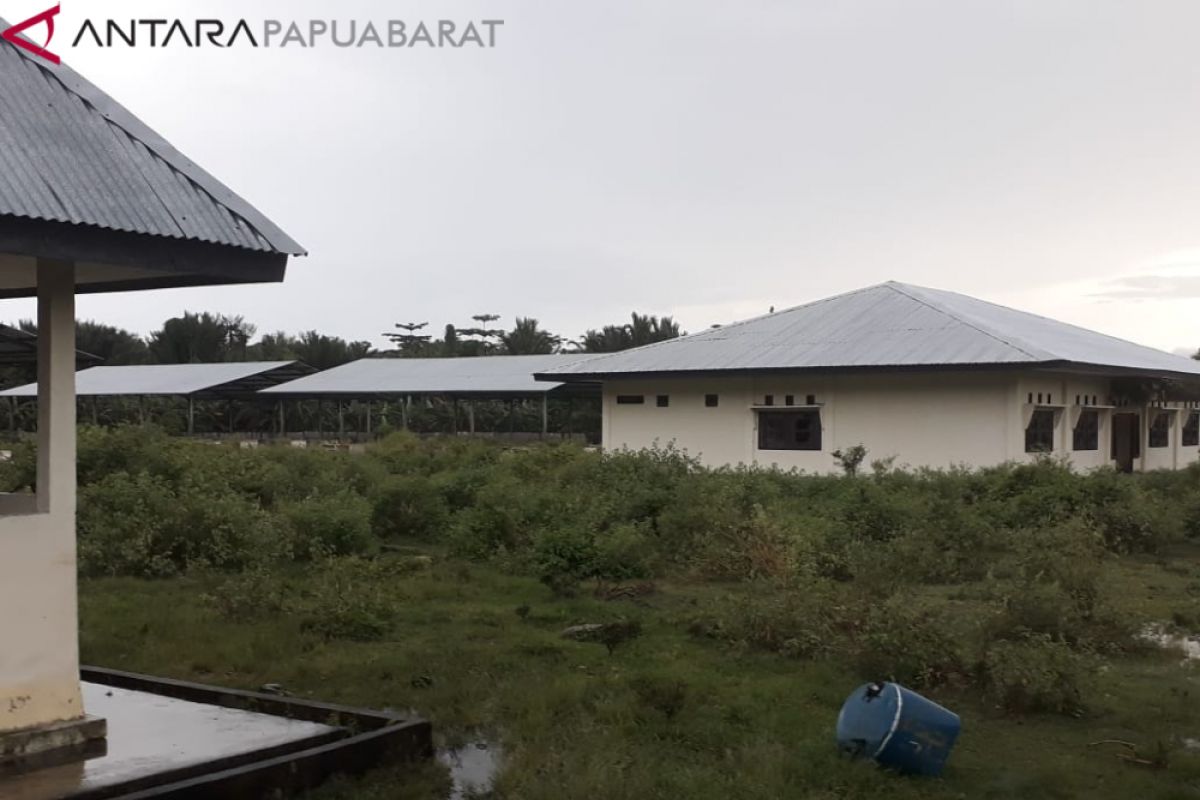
(349, 601)
(335, 525)
(410, 506)
(1036, 673)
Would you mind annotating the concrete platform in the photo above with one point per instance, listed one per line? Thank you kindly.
(166, 743)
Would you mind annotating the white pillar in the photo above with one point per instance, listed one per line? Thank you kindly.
(56, 388)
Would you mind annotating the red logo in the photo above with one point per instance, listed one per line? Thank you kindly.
(46, 17)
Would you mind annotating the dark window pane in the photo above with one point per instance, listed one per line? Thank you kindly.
(663, 400)
(789, 400)
(1160, 430)
(711, 400)
(1087, 431)
(789, 430)
(769, 400)
(1191, 430)
(1039, 436)
(630, 400)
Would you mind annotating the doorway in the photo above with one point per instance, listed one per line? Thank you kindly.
(1126, 440)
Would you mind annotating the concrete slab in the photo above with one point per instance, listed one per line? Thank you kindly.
(152, 734)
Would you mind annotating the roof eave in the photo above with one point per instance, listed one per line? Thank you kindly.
(170, 262)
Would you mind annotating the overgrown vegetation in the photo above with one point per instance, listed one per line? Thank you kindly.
(1001, 590)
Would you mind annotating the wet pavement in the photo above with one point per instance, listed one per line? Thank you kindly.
(150, 733)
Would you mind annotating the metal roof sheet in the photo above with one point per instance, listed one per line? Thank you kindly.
(174, 379)
(494, 375)
(889, 325)
(70, 153)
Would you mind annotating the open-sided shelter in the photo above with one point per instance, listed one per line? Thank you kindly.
(404, 379)
(91, 200)
(236, 380)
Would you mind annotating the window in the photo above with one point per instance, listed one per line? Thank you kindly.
(811, 400)
(1160, 430)
(1087, 431)
(1191, 430)
(712, 400)
(663, 400)
(769, 400)
(789, 430)
(630, 399)
(789, 400)
(1039, 436)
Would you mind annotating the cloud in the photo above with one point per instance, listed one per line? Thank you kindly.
(1150, 287)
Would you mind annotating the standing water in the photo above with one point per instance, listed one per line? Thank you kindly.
(473, 767)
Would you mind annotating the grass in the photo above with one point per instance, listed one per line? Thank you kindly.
(576, 722)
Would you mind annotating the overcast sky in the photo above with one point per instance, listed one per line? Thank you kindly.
(703, 158)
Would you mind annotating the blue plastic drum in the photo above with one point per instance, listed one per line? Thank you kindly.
(897, 728)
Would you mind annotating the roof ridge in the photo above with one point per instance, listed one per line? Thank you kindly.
(1054, 321)
(117, 115)
(986, 330)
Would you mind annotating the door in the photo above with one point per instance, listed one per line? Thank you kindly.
(1126, 440)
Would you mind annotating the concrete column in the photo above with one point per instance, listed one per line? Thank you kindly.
(56, 387)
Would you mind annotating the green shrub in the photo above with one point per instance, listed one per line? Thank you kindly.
(350, 601)
(124, 524)
(410, 506)
(251, 595)
(333, 525)
(1036, 673)
(907, 644)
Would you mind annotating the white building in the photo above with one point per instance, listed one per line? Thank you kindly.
(932, 378)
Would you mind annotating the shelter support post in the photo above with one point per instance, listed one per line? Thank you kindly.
(512, 415)
(570, 423)
(56, 387)
(471, 417)
(404, 404)
(341, 412)
(282, 418)
(191, 414)
(141, 409)
(368, 411)
(545, 415)
(12, 416)
(454, 415)
(320, 418)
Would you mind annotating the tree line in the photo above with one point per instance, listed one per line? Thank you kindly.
(207, 337)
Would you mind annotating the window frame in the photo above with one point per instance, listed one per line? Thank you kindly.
(1191, 430)
(1153, 431)
(1030, 446)
(815, 442)
(1093, 430)
(631, 400)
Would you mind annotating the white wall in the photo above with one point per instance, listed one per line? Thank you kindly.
(931, 419)
(39, 652)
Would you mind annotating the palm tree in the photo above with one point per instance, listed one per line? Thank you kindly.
(527, 339)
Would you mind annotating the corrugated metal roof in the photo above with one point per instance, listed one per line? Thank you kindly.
(495, 375)
(889, 325)
(70, 153)
(175, 379)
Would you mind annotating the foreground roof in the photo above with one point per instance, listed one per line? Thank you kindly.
(71, 155)
(485, 375)
(140, 380)
(892, 325)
